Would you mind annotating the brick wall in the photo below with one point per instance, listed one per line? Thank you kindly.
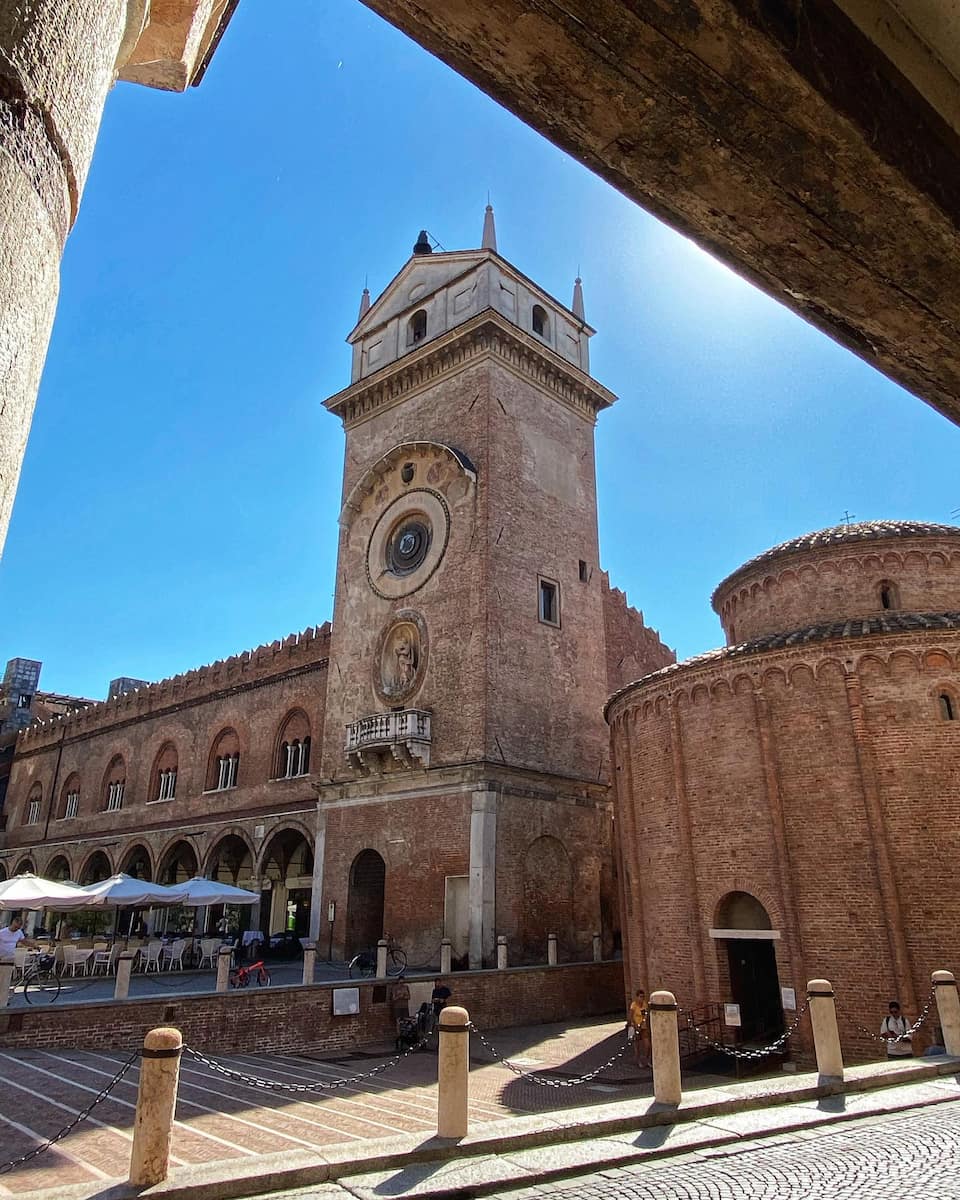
(821, 780)
(285, 1019)
(838, 582)
(633, 649)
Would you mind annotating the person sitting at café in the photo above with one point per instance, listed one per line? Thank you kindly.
(11, 936)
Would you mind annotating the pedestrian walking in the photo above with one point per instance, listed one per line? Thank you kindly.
(894, 1028)
(638, 1028)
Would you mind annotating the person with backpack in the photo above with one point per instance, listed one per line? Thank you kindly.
(894, 1028)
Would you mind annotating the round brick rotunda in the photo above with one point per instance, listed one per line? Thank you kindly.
(788, 806)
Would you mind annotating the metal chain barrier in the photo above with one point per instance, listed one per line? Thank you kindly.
(320, 1086)
(546, 1081)
(882, 1037)
(755, 1053)
(434, 957)
(81, 1116)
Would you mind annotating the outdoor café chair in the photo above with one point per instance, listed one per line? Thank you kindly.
(209, 949)
(20, 954)
(150, 956)
(101, 959)
(74, 958)
(174, 954)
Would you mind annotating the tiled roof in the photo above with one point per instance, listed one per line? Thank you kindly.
(890, 622)
(838, 535)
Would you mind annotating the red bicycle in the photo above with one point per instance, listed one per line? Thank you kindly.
(240, 977)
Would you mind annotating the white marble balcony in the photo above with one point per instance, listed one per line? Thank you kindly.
(403, 735)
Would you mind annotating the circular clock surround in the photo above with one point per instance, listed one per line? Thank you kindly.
(407, 543)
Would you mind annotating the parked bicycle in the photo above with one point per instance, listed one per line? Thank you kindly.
(241, 977)
(41, 983)
(364, 964)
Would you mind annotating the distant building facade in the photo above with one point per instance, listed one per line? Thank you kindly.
(436, 762)
(789, 806)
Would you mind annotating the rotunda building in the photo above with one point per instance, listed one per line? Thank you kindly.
(788, 806)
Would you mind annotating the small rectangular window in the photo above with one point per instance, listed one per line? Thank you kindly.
(584, 574)
(549, 602)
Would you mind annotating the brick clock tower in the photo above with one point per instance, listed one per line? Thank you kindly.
(463, 780)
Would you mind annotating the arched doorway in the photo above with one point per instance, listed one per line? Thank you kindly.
(746, 946)
(368, 874)
(230, 861)
(96, 868)
(136, 862)
(58, 869)
(547, 898)
(179, 863)
(286, 871)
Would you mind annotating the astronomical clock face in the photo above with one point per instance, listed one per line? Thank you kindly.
(407, 543)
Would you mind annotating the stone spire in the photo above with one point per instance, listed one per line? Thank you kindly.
(578, 298)
(489, 240)
(364, 303)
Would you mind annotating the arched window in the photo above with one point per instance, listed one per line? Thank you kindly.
(417, 327)
(540, 321)
(34, 804)
(114, 783)
(224, 762)
(948, 707)
(163, 779)
(70, 798)
(889, 595)
(293, 756)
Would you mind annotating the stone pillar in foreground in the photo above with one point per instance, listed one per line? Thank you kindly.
(453, 1072)
(826, 1036)
(58, 61)
(948, 1010)
(156, 1102)
(665, 1047)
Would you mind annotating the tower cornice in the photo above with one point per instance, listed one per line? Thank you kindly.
(487, 335)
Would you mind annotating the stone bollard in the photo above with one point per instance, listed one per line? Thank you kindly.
(948, 1009)
(665, 1047)
(124, 966)
(309, 959)
(551, 949)
(382, 959)
(826, 1036)
(597, 948)
(6, 979)
(224, 960)
(453, 1069)
(446, 953)
(501, 952)
(156, 1101)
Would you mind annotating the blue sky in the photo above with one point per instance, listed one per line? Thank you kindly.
(180, 491)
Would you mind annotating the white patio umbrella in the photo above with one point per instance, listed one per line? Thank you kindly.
(35, 892)
(123, 891)
(202, 892)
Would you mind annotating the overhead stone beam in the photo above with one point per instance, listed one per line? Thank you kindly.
(779, 135)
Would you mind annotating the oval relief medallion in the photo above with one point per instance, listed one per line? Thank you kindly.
(401, 659)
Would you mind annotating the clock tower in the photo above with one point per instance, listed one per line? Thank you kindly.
(464, 770)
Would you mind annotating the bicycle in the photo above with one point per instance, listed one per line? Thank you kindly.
(364, 964)
(240, 976)
(41, 983)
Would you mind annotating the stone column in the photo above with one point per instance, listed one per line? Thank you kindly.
(317, 911)
(309, 960)
(224, 960)
(948, 1010)
(156, 1103)
(502, 952)
(597, 948)
(551, 949)
(58, 60)
(453, 1072)
(446, 954)
(826, 1036)
(665, 1047)
(483, 879)
(124, 967)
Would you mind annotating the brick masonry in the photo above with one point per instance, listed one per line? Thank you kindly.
(820, 777)
(292, 1018)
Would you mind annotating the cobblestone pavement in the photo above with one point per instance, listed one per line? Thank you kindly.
(913, 1156)
(223, 1118)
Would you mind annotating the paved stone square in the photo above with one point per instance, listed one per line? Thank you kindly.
(911, 1156)
(223, 1118)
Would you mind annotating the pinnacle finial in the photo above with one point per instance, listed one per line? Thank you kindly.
(489, 239)
(578, 298)
(364, 302)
